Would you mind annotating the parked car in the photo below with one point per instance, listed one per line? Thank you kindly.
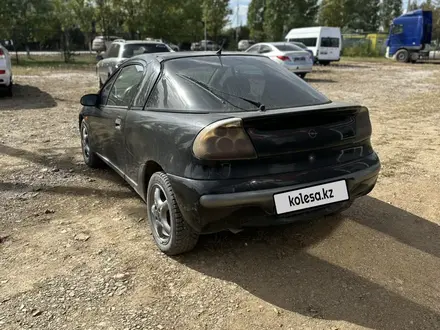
(210, 45)
(101, 43)
(170, 44)
(6, 81)
(215, 142)
(120, 50)
(302, 46)
(245, 44)
(195, 46)
(292, 57)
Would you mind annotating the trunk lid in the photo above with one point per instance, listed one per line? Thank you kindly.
(330, 134)
(300, 56)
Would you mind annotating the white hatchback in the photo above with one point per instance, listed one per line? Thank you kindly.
(5, 70)
(292, 57)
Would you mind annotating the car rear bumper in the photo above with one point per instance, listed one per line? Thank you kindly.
(215, 205)
(299, 68)
(5, 79)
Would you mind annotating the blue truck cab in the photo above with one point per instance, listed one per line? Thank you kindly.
(409, 34)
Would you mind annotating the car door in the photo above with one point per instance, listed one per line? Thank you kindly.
(137, 121)
(98, 126)
(122, 93)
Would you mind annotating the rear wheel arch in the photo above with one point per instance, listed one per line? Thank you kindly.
(81, 118)
(147, 170)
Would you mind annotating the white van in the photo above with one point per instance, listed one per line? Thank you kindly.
(5, 71)
(325, 42)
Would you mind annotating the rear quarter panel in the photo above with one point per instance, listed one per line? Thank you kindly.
(165, 138)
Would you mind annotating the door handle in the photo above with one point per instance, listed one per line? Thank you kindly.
(118, 123)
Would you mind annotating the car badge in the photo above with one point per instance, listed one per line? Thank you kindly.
(312, 133)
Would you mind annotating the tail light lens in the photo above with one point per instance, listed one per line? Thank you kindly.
(224, 140)
(2, 71)
(2, 53)
(363, 123)
(283, 58)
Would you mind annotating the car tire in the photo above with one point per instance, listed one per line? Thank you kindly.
(9, 90)
(402, 56)
(171, 232)
(91, 159)
(302, 75)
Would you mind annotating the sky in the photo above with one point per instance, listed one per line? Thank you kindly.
(244, 4)
(242, 12)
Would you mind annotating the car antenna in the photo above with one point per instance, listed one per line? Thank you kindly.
(219, 52)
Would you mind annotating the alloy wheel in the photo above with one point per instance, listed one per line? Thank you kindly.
(85, 142)
(160, 214)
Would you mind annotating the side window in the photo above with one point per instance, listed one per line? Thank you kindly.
(151, 73)
(126, 86)
(254, 49)
(106, 90)
(113, 51)
(265, 49)
(308, 42)
(165, 95)
(397, 29)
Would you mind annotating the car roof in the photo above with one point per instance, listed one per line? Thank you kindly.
(138, 42)
(277, 43)
(174, 55)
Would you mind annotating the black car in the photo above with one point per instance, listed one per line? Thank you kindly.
(226, 141)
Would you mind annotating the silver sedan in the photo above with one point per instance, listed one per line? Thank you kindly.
(292, 57)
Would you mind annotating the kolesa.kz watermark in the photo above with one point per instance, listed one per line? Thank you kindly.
(310, 198)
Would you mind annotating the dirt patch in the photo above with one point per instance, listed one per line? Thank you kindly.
(76, 251)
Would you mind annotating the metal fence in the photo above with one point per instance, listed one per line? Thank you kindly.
(364, 44)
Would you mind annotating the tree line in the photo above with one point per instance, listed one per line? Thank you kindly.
(67, 21)
(272, 19)
(27, 21)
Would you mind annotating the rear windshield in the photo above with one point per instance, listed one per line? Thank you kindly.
(287, 47)
(300, 45)
(330, 42)
(137, 49)
(230, 83)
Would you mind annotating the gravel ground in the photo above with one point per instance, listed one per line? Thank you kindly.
(76, 251)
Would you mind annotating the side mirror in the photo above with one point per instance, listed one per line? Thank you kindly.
(90, 100)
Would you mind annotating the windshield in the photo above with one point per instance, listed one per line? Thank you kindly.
(287, 47)
(243, 82)
(137, 49)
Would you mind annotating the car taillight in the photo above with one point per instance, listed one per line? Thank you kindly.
(224, 140)
(283, 58)
(2, 53)
(2, 71)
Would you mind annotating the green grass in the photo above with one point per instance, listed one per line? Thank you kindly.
(365, 59)
(35, 64)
